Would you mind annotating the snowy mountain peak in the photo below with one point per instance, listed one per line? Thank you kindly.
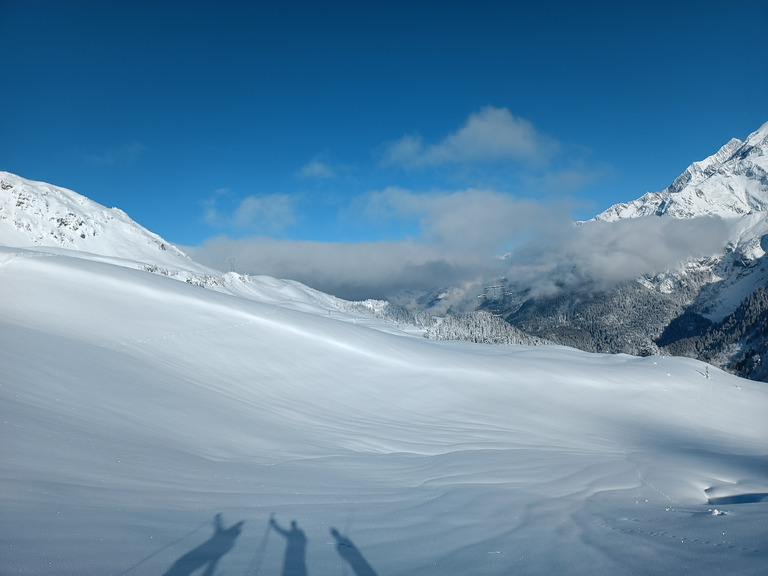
(730, 183)
(40, 217)
(759, 136)
(36, 214)
(697, 172)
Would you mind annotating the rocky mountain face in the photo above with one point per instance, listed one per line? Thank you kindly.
(711, 308)
(730, 183)
(36, 214)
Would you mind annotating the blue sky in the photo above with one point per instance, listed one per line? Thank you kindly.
(329, 125)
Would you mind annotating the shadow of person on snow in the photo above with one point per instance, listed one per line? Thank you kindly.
(295, 563)
(209, 552)
(349, 552)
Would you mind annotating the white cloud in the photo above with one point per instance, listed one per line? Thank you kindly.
(272, 213)
(565, 181)
(472, 220)
(316, 169)
(407, 151)
(349, 270)
(488, 135)
(212, 215)
(598, 255)
(265, 214)
(462, 236)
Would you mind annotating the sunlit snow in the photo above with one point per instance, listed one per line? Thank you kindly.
(144, 418)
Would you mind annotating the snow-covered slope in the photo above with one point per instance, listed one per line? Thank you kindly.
(56, 220)
(42, 215)
(134, 408)
(730, 183)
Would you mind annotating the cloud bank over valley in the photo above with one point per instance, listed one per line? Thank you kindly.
(469, 238)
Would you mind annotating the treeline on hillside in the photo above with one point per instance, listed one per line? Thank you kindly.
(387, 311)
(629, 319)
(625, 319)
(481, 327)
(739, 343)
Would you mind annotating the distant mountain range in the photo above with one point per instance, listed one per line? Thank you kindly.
(714, 308)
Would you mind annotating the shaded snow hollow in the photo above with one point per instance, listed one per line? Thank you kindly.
(135, 408)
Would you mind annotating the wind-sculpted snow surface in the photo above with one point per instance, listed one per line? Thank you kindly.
(136, 408)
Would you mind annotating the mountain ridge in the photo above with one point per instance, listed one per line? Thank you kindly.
(743, 163)
(44, 215)
(700, 301)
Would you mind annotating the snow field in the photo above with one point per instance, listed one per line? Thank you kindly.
(135, 407)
